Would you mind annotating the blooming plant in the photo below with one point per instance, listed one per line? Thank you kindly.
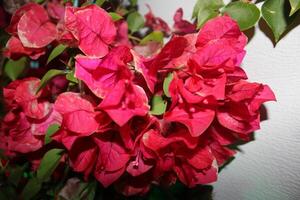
(98, 101)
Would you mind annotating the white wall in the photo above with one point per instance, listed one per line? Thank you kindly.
(269, 167)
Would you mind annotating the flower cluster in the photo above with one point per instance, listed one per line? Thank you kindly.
(136, 120)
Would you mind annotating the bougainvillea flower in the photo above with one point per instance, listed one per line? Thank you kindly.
(241, 113)
(192, 177)
(221, 153)
(221, 28)
(13, 26)
(33, 106)
(25, 134)
(112, 158)
(122, 34)
(64, 36)
(172, 56)
(156, 23)
(125, 101)
(195, 118)
(93, 27)
(182, 26)
(217, 55)
(102, 75)
(77, 110)
(22, 94)
(56, 10)
(14, 49)
(35, 30)
(83, 155)
(192, 168)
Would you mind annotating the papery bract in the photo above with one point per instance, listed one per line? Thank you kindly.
(182, 26)
(241, 114)
(14, 49)
(156, 23)
(102, 75)
(92, 27)
(112, 159)
(124, 102)
(76, 111)
(221, 28)
(55, 10)
(35, 29)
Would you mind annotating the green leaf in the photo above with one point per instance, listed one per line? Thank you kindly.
(56, 52)
(99, 2)
(246, 14)
(115, 16)
(48, 76)
(48, 164)
(39, 1)
(70, 77)
(89, 191)
(135, 21)
(53, 128)
(155, 36)
(274, 14)
(31, 189)
(14, 68)
(159, 106)
(166, 84)
(133, 2)
(295, 6)
(205, 10)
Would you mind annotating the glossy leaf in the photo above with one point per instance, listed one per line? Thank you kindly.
(295, 6)
(155, 36)
(31, 189)
(166, 84)
(39, 1)
(56, 52)
(273, 13)
(50, 131)
(49, 163)
(48, 76)
(115, 16)
(205, 10)
(135, 21)
(159, 106)
(70, 77)
(246, 14)
(14, 68)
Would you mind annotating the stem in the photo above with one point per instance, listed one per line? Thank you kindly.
(134, 38)
(81, 87)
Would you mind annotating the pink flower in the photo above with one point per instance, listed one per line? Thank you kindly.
(76, 111)
(156, 23)
(30, 115)
(182, 26)
(241, 111)
(14, 49)
(92, 27)
(125, 101)
(102, 75)
(34, 28)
